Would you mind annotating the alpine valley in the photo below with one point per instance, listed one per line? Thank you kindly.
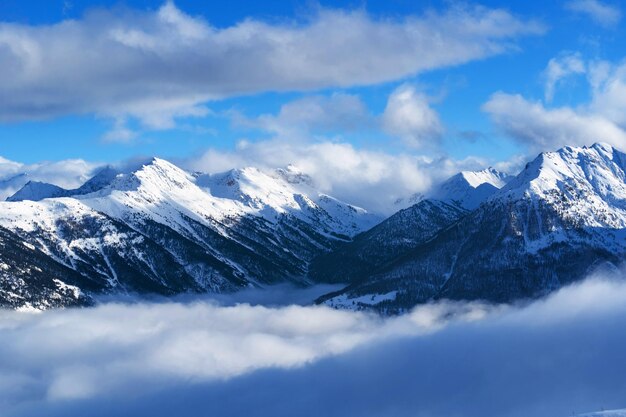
(155, 228)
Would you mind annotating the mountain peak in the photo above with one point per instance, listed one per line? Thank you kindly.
(489, 175)
(604, 147)
(468, 189)
(599, 167)
(156, 173)
(36, 190)
(587, 185)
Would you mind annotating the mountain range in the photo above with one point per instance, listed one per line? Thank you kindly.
(562, 217)
(158, 229)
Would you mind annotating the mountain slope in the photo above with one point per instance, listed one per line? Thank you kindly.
(563, 216)
(29, 278)
(36, 190)
(393, 237)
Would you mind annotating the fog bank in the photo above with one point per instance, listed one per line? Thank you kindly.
(556, 356)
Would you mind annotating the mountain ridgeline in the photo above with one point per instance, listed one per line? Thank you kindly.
(562, 217)
(161, 230)
(158, 229)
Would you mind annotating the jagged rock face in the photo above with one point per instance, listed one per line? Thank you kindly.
(563, 216)
(159, 229)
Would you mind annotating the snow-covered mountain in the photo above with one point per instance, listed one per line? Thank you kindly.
(157, 228)
(160, 229)
(409, 227)
(37, 190)
(468, 189)
(561, 217)
(287, 192)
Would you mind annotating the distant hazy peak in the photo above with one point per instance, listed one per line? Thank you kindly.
(486, 176)
(36, 190)
(468, 189)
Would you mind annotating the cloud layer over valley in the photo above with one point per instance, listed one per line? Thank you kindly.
(449, 359)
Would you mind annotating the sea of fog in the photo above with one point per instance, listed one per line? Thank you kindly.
(556, 357)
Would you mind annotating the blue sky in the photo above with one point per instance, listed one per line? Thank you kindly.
(514, 61)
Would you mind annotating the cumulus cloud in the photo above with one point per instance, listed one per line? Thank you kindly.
(163, 64)
(409, 116)
(371, 179)
(550, 358)
(560, 68)
(602, 13)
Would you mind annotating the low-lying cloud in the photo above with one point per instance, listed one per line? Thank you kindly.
(560, 355)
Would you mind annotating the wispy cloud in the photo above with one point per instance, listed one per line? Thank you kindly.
(560, 68)
(311, 115)
(602, 13)
(200, 358)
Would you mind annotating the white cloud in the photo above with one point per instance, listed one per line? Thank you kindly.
(559, 68)
(369, 178)
(544, 129)
(200, 358)
(160, 65)
(120, 132)
(603, 118)
(94, 351)
(602, 13)
(310, 114)
(409, 116)
(609, 91)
